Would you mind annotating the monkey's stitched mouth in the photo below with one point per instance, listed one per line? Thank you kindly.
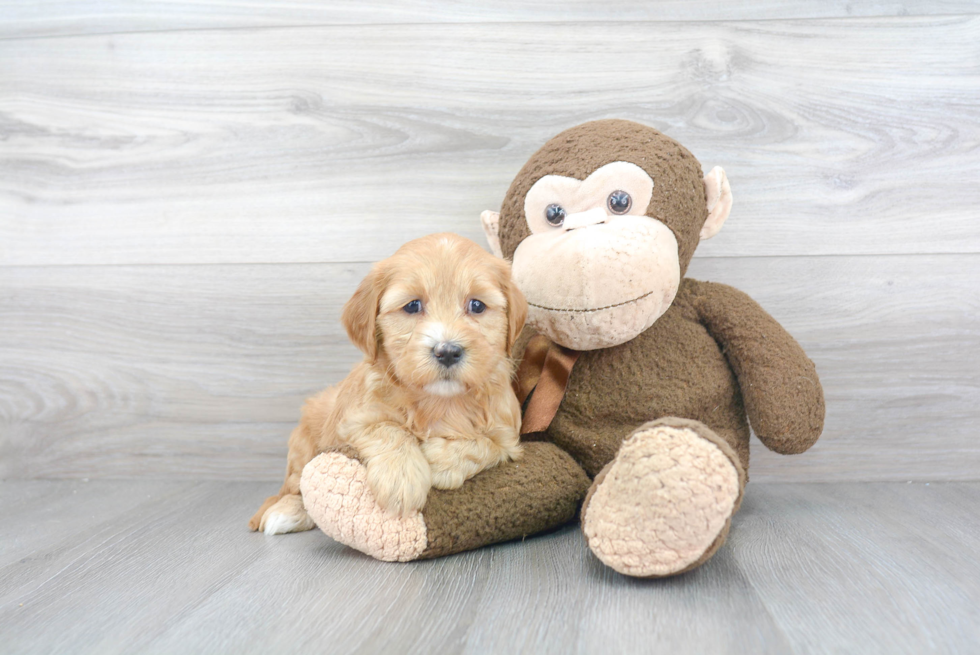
(589, 311)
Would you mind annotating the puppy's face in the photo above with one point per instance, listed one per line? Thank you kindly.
(441, 313)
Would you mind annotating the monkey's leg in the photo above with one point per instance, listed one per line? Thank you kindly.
(663, 506)
(541, 491)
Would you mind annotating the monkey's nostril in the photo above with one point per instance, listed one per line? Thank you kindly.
(447, 353)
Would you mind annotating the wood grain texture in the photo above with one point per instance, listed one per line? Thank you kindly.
(165, 368)
(199, 371)
(120, 581)
(808, 568)
(833, 562)
(336, 144)
(54, 18)
(62, 518)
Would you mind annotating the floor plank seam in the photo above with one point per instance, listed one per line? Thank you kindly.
(503, 24)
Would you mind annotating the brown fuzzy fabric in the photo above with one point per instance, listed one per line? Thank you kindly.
(694, 362)
(678, 199)
(346, 450)
(541, 491)
(675, 368)
(779, 383)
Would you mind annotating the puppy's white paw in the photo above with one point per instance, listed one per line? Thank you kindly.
(400, 480)
(287, 515)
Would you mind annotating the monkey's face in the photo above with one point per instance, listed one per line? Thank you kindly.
(601, 224)
(596, 270)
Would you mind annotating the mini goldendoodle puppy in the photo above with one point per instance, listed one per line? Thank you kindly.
(431, 405)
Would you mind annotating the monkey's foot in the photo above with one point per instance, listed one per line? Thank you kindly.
(664, 505)
(338, 499)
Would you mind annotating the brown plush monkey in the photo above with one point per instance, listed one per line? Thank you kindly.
(639, 383)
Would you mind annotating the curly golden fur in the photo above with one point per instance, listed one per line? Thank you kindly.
(418, 418)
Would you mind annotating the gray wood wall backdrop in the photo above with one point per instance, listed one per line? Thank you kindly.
(190, 191)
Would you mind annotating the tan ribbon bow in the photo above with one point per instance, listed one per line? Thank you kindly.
(545, 370)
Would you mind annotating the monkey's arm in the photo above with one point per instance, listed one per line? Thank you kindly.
(780, 388)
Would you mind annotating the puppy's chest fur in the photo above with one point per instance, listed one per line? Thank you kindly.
(446, 418)
(424, 416)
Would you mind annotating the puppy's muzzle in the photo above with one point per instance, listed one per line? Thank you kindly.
(448, 353)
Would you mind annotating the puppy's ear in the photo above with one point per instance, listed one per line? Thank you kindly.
(361, 312)
(516, 307)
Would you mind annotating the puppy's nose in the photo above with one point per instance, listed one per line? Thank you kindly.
(447, 353)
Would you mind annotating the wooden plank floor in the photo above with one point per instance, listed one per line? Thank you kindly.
(122, 567)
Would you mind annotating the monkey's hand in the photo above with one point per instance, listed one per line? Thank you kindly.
(779, 383)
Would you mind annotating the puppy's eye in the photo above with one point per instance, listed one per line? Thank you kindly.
(555, 215)
(619, 202)
(413, 307)
(475, 307)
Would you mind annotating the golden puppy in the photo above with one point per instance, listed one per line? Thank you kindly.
(431, 405)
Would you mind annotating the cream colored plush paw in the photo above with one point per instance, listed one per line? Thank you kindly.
(662, 503)
(337, 497)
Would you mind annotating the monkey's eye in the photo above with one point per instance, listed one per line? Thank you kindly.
(413, 307)
(619, 202)
(475, 307)
(555, 215)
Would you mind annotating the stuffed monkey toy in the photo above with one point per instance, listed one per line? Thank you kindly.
(638, 384)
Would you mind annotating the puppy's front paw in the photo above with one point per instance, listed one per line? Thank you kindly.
(400, 480)
(448, 479)
(447, 471)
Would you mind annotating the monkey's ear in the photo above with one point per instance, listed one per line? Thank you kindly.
(361, 312)
(491, 227)
(719, 195)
